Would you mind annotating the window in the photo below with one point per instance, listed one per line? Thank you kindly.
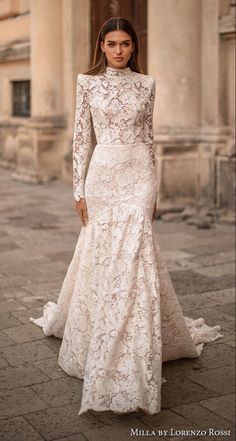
(21, 98)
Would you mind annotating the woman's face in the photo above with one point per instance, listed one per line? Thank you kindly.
(117, 47)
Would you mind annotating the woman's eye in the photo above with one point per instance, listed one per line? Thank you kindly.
(112, 44)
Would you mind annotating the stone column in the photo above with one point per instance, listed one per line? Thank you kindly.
(46, 58)
(76, 50)
(174, 46)
(174, 49)
(212, 135)
(225, 161)
(183, 56)
(41, 140)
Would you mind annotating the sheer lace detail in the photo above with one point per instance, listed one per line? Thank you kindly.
(117, 312)
(120, 104)
(82, 136)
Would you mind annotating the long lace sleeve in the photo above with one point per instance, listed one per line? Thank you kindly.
(148, 122)
(82, 136)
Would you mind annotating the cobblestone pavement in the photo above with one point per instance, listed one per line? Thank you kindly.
(38, 233)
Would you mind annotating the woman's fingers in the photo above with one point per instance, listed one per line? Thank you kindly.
(81, 209)
(85, 214)
(154, 214)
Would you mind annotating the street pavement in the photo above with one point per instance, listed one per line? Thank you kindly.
(39, 229)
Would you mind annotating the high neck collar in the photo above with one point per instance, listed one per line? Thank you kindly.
(115, 71)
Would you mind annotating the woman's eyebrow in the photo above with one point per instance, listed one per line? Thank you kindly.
(111, 41)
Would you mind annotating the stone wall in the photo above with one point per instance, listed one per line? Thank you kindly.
(191, 53)
(191, 46)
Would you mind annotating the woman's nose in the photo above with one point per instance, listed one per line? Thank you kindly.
(118, 50)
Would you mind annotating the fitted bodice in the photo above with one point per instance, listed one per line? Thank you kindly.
(119, 103)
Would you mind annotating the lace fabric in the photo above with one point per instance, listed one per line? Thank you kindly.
(120, 104)
(117, 313)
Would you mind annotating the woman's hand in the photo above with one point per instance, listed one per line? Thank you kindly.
(154, 214)
(81, 209)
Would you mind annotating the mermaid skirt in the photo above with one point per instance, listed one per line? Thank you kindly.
(117, 313)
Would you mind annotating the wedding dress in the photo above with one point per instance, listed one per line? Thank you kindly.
(117, 313)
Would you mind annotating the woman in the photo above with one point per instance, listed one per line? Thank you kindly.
(117, 313)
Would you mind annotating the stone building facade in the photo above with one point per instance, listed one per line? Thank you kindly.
(188, 45)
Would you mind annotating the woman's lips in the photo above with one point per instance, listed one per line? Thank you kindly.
(119, 58)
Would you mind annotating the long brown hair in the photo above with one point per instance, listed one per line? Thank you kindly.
(99, 58)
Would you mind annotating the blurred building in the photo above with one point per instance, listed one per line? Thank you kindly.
(188, 45)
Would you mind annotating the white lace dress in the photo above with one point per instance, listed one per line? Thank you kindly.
(117, 313)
